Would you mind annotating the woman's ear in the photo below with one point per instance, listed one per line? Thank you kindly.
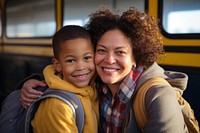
(134, 64)
(56, 65)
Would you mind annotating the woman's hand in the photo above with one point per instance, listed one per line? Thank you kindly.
(28, 93)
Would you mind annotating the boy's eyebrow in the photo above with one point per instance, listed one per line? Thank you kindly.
(89, 52)
(69, 55)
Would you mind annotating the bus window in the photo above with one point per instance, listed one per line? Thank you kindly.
(181, 16)
(30, 18)
(77, 11)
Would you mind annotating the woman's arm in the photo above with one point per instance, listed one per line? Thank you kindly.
(28, 93)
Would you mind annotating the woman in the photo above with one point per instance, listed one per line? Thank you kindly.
(127, 48)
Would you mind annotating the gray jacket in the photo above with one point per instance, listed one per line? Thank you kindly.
(163, 109)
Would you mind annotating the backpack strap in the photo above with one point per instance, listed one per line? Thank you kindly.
(69, 98)
(139, 100)
(188, 114)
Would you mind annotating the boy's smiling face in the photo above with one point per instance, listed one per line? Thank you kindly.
(76, 61)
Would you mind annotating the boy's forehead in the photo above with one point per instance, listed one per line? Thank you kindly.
(78, 44)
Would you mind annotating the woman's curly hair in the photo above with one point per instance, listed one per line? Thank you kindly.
(139, 27)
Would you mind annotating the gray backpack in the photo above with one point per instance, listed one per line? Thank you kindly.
(14, 118)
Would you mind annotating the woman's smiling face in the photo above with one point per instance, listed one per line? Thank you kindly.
(113, 57)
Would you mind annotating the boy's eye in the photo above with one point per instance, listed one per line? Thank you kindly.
(88, 57)
(70, 61)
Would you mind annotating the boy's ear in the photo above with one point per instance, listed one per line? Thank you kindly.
(56, 65)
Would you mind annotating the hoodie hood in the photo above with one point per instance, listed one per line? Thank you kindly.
(176, 79)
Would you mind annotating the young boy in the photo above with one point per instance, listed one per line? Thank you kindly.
(72, 69)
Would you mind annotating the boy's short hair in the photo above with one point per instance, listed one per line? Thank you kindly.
(66, 33)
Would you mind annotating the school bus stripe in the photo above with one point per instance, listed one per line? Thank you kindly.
(42, 51)
(180, 59)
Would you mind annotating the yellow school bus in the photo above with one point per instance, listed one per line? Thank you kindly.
(27, 26)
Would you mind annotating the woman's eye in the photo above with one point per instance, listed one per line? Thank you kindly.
(100, 51)
(121, 52)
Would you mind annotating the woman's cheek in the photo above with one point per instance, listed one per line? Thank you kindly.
(97, 59)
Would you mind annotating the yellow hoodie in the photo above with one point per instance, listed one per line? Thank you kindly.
(55, 116)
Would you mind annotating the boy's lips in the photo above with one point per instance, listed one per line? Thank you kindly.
(81, 76)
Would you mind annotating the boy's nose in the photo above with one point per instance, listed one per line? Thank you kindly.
(80, 66)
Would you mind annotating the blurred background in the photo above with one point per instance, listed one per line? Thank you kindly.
(27, 26)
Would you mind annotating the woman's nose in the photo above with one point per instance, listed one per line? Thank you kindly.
(110, 58)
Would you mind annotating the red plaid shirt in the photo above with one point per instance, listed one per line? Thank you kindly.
(112, 108)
